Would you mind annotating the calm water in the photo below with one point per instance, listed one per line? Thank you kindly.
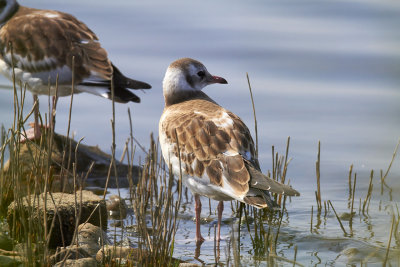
(320, 70)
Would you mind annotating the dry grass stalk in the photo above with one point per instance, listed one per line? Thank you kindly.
(273, 163)
(396, 231)
(369, 193)
(312, 214)
(154, 201)
(254, 113)
(337, 217)
(383, 176)
(391, 162)
(390, 240)
(279, 168)
(32, 233)
(112, 166)
(318, 172)
(265, 241)
(285, 166)
(67, 150)
(130, 154)
(350, 189)
(352, 201)
(280, 223)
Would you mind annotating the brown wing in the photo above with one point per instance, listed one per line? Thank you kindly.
(43, 40)
(212, 141)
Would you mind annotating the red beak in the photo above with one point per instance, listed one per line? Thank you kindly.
(217, 79)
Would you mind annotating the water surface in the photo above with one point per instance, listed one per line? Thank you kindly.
(326, 71)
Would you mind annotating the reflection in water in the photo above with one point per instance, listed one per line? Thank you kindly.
(197, 253)
(216, 249)
(217, 253)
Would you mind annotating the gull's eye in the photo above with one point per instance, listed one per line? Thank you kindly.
(201, 74)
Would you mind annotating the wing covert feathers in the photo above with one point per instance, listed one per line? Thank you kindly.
(215, 144)
(49, 39)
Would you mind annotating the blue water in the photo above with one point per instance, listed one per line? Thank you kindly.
(320, 70)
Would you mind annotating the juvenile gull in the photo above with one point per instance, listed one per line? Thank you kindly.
(216, 149)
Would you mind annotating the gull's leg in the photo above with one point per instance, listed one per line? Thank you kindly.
(33, 133)
(199, 238)
(54, 100)
(220, 210)
(36, 126)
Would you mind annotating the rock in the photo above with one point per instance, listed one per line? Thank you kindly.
(71, 252)
(85, 262)
(129, 256)
(92, 208)
(116, 207)
(118, 254)
(91, 238)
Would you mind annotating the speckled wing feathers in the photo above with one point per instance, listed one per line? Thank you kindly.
(215, 144)
(43, 40)
(207, 147)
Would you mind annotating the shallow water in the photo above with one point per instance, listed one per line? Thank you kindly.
(324, 71)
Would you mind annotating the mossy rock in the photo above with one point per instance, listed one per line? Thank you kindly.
(29, 213)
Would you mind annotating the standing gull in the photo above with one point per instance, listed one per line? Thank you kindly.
(216, 149)
(43, 44)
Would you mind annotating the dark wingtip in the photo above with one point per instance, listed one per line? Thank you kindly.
(134, 99)
(122, 95)
(123, 81)
(291, 192)
(146, 86)
(133, 84)
(137, 100)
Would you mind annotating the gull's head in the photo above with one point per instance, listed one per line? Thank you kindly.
(187, 75)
